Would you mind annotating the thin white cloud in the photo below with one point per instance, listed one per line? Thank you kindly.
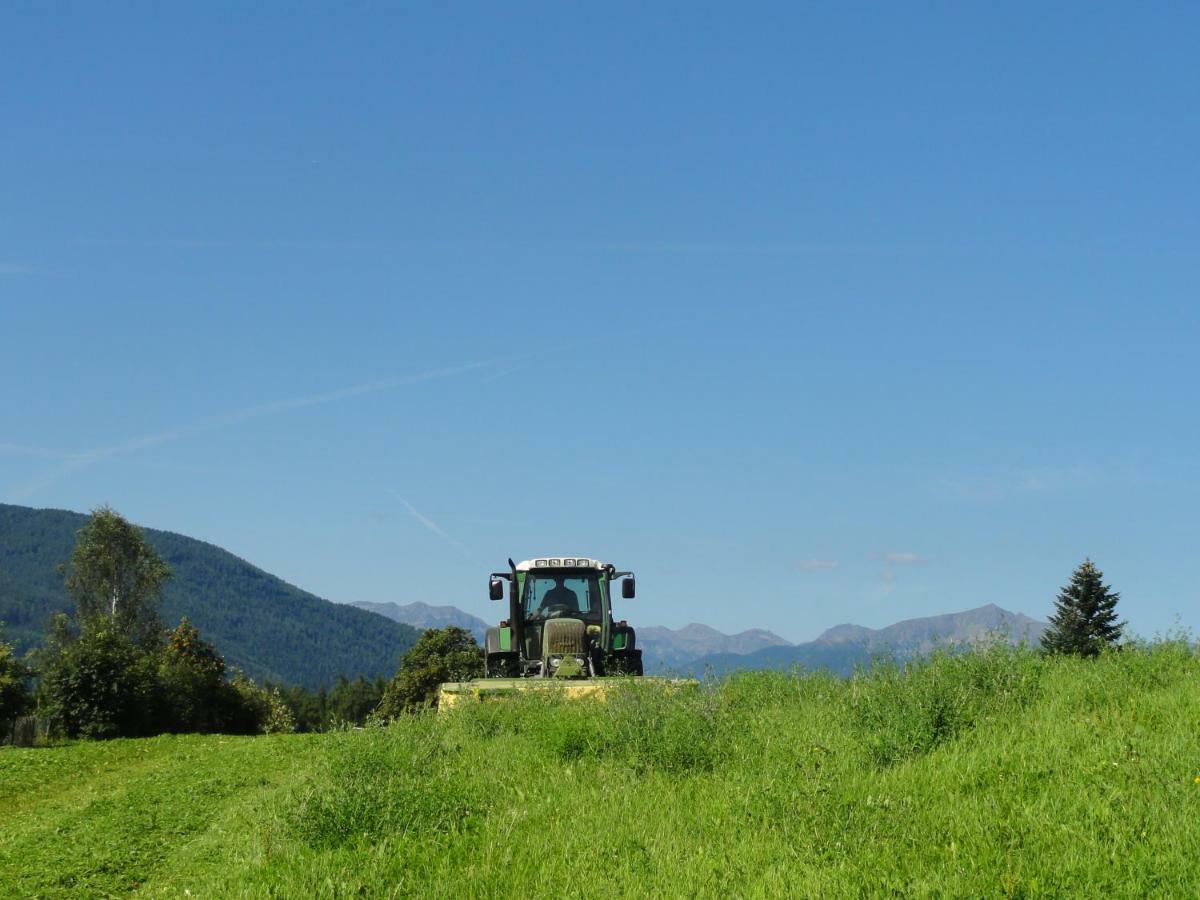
(429, 523)
(502, 373)
(900, 558)
(817, 565)
(42, 452)
(74, 462)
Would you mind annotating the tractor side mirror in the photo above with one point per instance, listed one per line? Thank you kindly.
(627, 588)
(496, 589)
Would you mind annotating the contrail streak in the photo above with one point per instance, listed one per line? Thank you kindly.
(26, 450)
(75, 462)
(429, 523)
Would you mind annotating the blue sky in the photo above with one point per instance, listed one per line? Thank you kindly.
(808, 314)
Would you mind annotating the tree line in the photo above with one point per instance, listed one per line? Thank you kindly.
(113, 670)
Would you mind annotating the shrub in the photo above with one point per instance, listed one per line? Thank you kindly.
(257, 710)
(440, 654)
(104, 686)
(15, 698)
(194, 686)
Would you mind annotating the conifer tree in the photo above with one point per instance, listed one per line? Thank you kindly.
(1085, 615)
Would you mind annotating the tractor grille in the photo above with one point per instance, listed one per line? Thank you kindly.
(563, 636)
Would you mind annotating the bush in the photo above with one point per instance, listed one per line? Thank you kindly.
(104, 686)
(258, 710)
(15, 698)
(440, 654)
(193, 678)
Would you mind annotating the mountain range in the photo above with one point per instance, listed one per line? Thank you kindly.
(664, 649)
(697, 649)
(843, 647)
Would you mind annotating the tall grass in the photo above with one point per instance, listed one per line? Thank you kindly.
(992, 773)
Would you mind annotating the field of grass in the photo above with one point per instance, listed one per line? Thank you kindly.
(996, 773)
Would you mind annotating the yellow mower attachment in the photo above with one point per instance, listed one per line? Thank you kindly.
(457, 693)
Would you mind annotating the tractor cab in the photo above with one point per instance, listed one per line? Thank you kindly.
(560, 622)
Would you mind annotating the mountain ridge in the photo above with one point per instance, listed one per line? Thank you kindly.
(261, 624)
(664, 648)
(926, 631)
(423, 615)
(842, 648)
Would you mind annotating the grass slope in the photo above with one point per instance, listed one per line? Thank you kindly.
(261, 624)
(987, 774)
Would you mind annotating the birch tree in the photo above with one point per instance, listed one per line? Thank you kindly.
(115, 575)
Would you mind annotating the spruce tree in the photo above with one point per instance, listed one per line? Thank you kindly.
(1085, 615)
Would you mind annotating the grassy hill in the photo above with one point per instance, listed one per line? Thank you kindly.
(261, 624)
(980, 775)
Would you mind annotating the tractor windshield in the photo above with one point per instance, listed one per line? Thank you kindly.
(570, 593)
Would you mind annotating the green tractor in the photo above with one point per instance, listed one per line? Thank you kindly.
(559, 626)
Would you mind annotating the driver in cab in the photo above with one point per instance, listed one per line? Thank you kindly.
(559, 596)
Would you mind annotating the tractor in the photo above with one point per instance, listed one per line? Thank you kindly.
(559, 631)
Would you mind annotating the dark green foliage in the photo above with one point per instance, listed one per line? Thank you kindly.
(15, 697)
(197, 696)
(260, 709)
(309, 709)
(114, 575)
(347, 703)
(350, 702)
(264, 626)
(1085, 615)
(440, 654)
(103, 685)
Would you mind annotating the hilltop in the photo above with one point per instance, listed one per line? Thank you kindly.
(263, 625)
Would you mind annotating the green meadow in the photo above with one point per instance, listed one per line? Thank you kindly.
(988, 774)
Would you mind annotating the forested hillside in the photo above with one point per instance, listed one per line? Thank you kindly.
(263, 625)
